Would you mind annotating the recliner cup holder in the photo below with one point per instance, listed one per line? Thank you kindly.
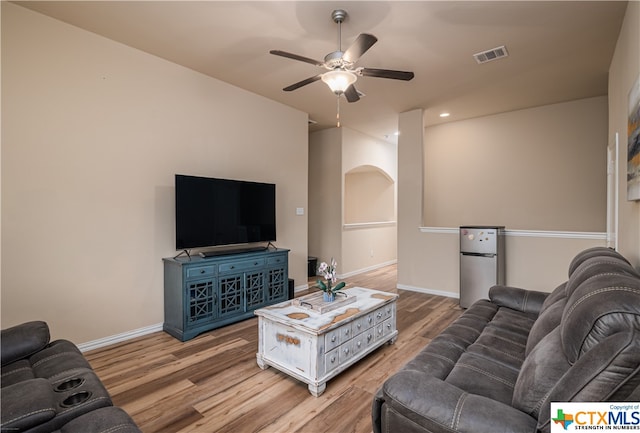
(76, 399)
(69, 384)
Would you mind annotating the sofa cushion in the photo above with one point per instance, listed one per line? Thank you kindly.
(600, 307)
(593, 355)
(515, 298)
(442, 353)
(593, 252)
(22, 341)
(418, 402)
(557, 294)
(593, 266)
(547, 322)
(104, 420)
(16, 372)
(608, 372)
(26, 405)
(58, 359)
(540, 372)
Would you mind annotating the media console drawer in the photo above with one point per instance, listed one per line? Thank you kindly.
(244, 265)
(200, 271)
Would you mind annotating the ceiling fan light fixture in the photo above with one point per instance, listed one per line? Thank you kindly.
(339, 80)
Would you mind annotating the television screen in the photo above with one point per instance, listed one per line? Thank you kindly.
(212, 212)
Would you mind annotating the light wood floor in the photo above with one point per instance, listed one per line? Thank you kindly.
(213, 384)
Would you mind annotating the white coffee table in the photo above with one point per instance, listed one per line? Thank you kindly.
(314, 347)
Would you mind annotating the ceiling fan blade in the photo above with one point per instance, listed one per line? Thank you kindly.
(296, 57)
(363, 42)
(351, 94)
(302, 83)
(386, 73)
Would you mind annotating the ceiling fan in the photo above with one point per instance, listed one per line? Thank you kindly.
(341, 73)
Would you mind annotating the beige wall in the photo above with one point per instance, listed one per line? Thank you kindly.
(93, 133)
(542, 168)
(332, 154)
(325, 197)
(624, 70)
(428, 257)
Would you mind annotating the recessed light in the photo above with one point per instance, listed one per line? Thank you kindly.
(444, 114)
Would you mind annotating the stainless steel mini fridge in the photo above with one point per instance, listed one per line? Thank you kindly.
(481, 262)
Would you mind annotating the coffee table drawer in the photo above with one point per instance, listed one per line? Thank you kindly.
(382, 314)
(331, 361)
(360, 342)
(362, 324)
(332, 340)
(345, 352)
(385, 328)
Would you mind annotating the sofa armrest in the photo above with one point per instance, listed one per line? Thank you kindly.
(22, 341)
(527, 301)
(26, 404)
(437, 406)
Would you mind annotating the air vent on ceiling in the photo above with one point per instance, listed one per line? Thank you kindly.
(492, 54)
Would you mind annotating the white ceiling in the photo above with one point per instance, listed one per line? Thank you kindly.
(558, 51)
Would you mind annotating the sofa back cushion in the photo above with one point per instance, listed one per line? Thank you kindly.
(601, 306)
(593, 252)
(592, 355)
(594, 266)
(545, 323)
(541, 370)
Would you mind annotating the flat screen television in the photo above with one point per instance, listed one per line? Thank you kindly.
(214, 212)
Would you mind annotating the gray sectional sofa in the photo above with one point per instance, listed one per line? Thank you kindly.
(50, 387)
(501, 363)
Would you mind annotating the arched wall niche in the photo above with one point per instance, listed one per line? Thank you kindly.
(369, 195)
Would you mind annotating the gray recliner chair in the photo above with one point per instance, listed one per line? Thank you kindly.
(50, 387)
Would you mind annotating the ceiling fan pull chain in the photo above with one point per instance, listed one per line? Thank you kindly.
(338, 113)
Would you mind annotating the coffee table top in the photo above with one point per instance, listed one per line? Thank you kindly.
(311, 321)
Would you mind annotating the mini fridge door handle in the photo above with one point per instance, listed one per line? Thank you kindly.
(479, 254)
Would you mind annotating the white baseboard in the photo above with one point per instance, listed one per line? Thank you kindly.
(301, 288)
(118, 338)
(370, 268)
(428, 291)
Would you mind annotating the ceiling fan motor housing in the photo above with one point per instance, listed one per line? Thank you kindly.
(339, 15)
(335, 60)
